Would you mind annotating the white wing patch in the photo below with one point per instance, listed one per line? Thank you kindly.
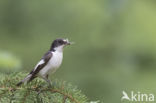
(39, 63)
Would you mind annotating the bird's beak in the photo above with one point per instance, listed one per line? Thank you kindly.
(69, 43)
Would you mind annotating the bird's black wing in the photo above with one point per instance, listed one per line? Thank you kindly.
(45, 60)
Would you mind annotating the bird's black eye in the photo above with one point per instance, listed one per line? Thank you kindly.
(60, 42)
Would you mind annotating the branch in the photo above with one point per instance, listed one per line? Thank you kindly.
(62, 92)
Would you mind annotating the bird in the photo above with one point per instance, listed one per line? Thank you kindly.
(49, 63)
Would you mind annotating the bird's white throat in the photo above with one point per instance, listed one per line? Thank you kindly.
(59, 48)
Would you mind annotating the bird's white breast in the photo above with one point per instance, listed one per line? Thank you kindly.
(56, 59)
(53, 63)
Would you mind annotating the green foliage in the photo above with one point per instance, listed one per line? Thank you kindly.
(38, 91)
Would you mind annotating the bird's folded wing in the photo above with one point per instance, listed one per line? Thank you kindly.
(45, 59)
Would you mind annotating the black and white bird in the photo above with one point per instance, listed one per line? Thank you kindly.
(49, 62)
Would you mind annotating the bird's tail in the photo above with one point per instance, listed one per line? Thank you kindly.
(26, 79)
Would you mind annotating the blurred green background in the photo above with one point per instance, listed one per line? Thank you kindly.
(115, 46)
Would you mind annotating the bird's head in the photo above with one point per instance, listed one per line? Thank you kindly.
(59, 44)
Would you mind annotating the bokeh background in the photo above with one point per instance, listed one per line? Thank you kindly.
(115, 47)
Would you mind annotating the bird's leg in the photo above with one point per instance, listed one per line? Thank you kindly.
(47, 80)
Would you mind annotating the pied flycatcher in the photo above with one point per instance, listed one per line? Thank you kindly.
(49, 62)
